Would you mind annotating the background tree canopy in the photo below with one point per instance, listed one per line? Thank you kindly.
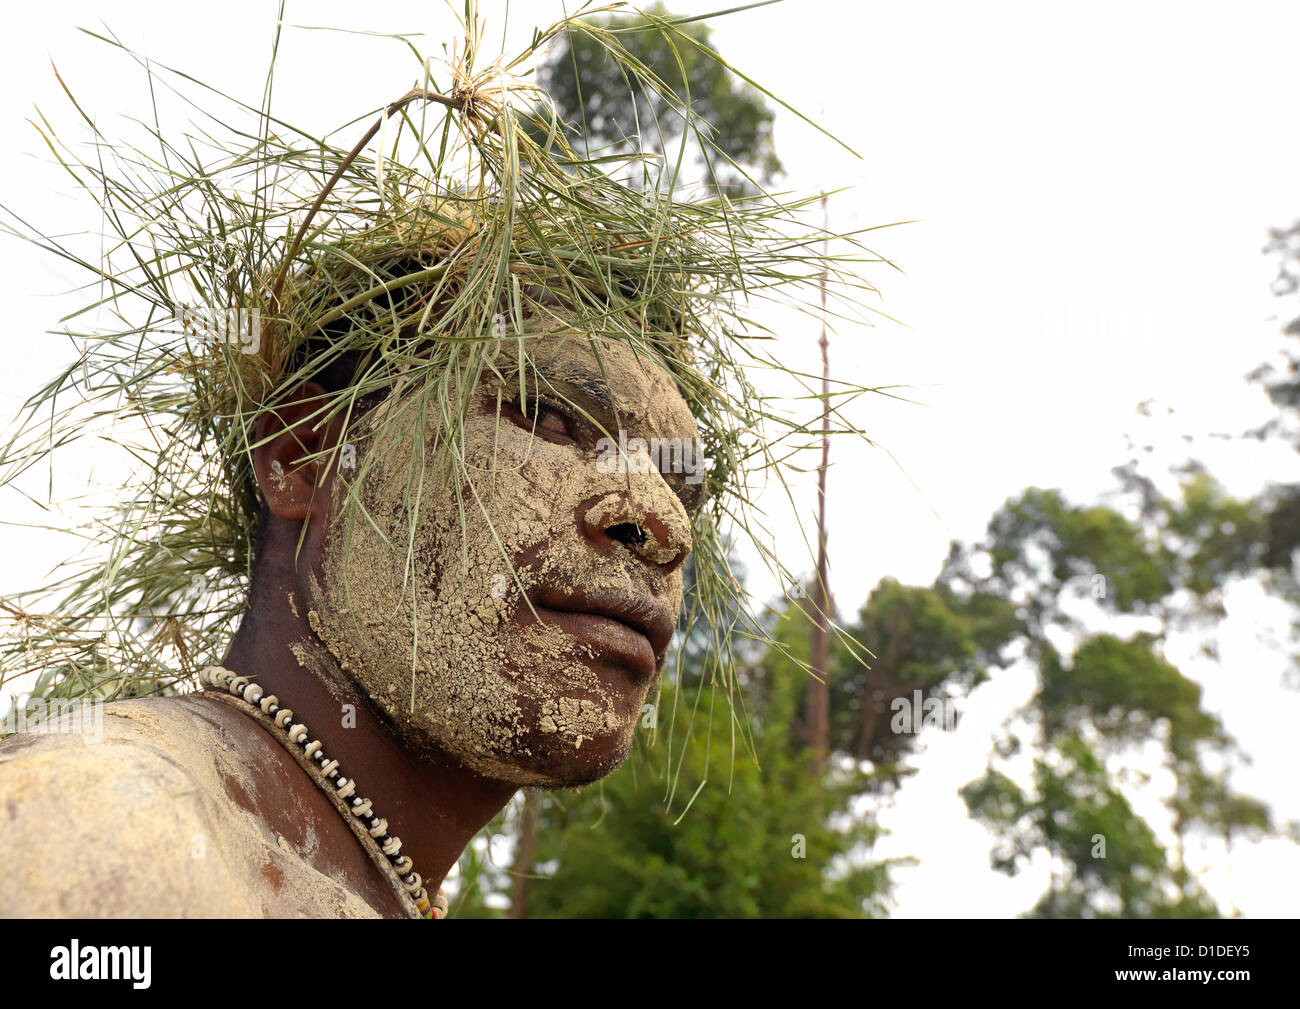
(592, 95)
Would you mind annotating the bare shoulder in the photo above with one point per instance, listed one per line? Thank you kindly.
(126, 810)
(102, 819)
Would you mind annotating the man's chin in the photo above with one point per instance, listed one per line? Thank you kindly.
(553, 763)
(532, 758)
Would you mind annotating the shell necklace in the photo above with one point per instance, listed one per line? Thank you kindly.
(371, 829)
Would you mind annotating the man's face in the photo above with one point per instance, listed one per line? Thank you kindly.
(529, 628)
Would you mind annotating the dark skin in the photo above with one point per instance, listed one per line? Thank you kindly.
(439, 803)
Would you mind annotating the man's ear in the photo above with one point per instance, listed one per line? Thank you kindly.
(294, 485)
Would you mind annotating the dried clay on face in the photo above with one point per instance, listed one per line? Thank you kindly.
(437, 647)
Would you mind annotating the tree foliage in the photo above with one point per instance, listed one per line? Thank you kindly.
(592, 95)
(1281, 380)
(920, 639)
(1096, 709)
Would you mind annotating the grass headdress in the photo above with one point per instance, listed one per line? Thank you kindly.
(246, 256)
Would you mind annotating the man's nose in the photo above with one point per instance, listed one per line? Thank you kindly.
(660, 535)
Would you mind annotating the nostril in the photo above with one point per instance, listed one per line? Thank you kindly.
(628, 533)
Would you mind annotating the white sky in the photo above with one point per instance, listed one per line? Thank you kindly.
(1092, 185)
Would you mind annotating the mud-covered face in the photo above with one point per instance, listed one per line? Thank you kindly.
(530, 627)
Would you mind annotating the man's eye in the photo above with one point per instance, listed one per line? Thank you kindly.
(542, 418)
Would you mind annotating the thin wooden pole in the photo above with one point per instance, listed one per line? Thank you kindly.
(819, 728)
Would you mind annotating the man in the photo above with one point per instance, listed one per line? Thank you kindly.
(517, 647)
(450, 593)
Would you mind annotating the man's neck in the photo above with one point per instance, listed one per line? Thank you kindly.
(432, 802)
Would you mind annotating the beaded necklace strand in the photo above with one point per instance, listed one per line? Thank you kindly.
(371, 829)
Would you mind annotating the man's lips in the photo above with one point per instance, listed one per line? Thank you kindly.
(631, 628)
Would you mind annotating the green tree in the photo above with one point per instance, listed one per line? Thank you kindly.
(1280, 502)
(1106, 859)
(1095, 708)
(592, 96)
(920, 639)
